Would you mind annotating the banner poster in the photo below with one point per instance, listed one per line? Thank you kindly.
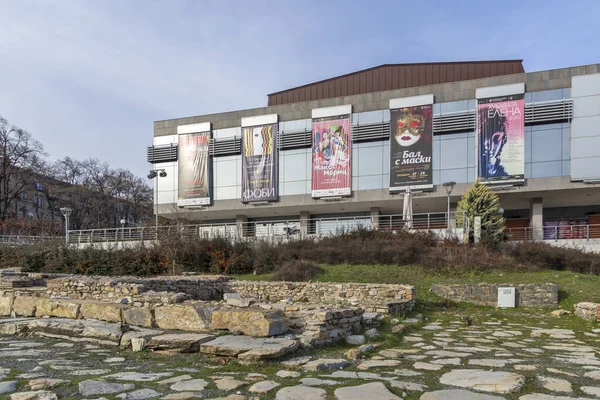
(501, 133)
(194, 166)
(411, 148)
(259, 164)
(331, 152)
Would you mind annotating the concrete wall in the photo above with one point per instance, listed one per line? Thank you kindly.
(591, 245)
(486, 294)
(534, 82)
(585, 129)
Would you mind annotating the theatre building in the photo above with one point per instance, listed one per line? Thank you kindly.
(344, 151)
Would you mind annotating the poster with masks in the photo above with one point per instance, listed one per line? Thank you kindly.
(194, 167)
(501, 134)
(259, 163)
(411, 148)
(331, 152)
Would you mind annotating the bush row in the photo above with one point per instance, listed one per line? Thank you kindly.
(223, 256)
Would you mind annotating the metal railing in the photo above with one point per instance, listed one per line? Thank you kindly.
(279, 229)
(560, 232)
(19, 240)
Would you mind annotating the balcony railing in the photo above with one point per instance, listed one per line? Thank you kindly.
(284, 229)
(18, 240)
(561, 232)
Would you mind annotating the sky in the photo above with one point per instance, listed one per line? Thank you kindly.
(88, 78)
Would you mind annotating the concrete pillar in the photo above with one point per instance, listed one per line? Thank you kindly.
(453, 215)
(477, 229)
(536, 218)
(241, 222)
(304, 222)
(375, 213)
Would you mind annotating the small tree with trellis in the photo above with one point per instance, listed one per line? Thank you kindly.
(482, 201)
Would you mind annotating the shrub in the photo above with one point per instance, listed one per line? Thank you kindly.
(178, 253)
(268, 257)
(452, 256)
(297, 271)
(482, 201)
(546, 256)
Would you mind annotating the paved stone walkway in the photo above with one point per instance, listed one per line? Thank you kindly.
(536, 358)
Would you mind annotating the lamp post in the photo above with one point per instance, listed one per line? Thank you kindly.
(156, 173)
(66, 211)
(123, 228)
(448, 186)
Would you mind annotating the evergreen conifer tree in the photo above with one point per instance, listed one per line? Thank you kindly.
(482, 201)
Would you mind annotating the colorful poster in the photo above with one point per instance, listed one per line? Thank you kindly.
(259, 164)
(331, 152)
(501, 133)
(411, 148)
(194, 165)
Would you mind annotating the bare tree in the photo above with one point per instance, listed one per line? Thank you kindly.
(99, 195)
(21, 159)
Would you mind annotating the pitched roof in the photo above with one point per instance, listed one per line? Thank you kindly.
(396, 76)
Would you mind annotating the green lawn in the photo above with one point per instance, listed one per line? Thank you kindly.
(574, 288)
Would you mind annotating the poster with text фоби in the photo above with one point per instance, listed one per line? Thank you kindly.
(259, 163)
(331, 157)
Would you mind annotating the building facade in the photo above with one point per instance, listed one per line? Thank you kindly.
(330, 149)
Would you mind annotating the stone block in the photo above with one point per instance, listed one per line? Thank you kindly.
(102, 311)
(179, 343)
(24, 306)
(194, 318)
(251, 322)
(57, 308)
(139, 316)
(248, 348)
(138, 344)
(5, 305)
(587, 310)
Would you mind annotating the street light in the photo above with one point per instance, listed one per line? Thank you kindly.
(448, 186)
(151, 175)
(66, 211)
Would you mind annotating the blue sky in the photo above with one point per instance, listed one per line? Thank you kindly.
(88, 78)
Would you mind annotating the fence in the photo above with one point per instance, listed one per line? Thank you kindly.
(442, 224)
(555, 233)
(18, 240)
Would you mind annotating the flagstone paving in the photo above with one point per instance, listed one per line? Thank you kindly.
(533, 356)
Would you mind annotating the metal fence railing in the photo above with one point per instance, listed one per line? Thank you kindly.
(560, 232)
(18, 240)
(277, 229)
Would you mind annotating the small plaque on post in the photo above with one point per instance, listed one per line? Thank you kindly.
(506, 297)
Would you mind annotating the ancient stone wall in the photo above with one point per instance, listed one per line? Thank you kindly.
(318, 325)
(313, 325)
(527, 295)
(589, 311)
(383, 298)
(151, 290)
